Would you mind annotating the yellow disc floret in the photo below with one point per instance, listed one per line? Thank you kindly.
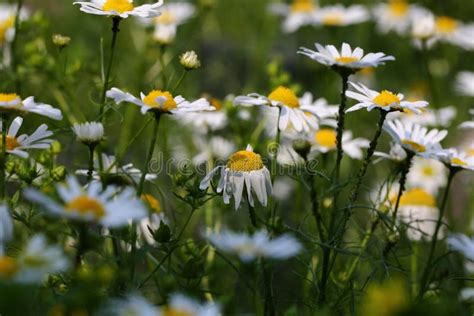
(446, 25)
(386, 98)
(302, 6)
(152, 100)
(5, 26)
(176, 312)
(166, 17)
(9, 97)
(326, 137)
(417, 197)
(152, 202)
(245, 161)
(398, 8)
(458, 162)
(347, 60)
(86, 205)
(428, 171)
(333, 19)
(8, 267)
(11, 142)
(285, 96)
(414, 145)
(119, 6)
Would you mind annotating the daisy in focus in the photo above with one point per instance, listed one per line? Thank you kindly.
(293, 110)
(324, 141)
(463, 244)
(18, 145)
(338, 15)
(416, 139)
(89, 133)
(244, 169)
(456, 159)
(296, 15)
(108, 208)
(395, 15)
(160, 102)
(249, 248)
(465, 83)
(11, 103)
(385, 100)
(120, 8)
(347, 58)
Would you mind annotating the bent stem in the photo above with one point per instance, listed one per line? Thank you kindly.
(3, 158)
(426, 272)
(115, 29)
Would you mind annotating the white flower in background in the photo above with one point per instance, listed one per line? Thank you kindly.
(7, 21)
(466, 294)
(423, 29)
(108, 208)
(395, 15)
(465, 83)
(89, 132)
(244, 169)
(456, 159)
(152, 221)
(132, 304)
(120, 8)
(160, 101)
(324, 141)
(338, 15)
(463, 244)
(287, 155)
(428, 117)
(216, 148)
(296, 15)
(12, 103)
(468, 124)
(260, 245)
(384, 100)
(347, 58)
(396, 153)
(6, 227)
(183, 305)
(455, 32)
(18, 145)
(190, 60)
(428, 174)
(300, 116)
(415, 138)
(38, 260)
(112, 169)
(418, 210)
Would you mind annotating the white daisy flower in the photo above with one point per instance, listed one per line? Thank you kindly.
(216, 148)
(415, 138)
(384, 100)
(296, 15)
(324, 141)
(89, 132)
(428, 174)
(132, 304)
(205, 122)
(120, 8)
(244, 168)
(423, 29)
(347, 58)
(465, 83)
(12, 103)
(396, 153)
(160, 102)
(338, 15)
(454, 158)
(18, 145)
(108, 208)
(462, 243)
(7, 21)
(466, 294)
(249, 248)
(417, 209)
(115, 173)
(395, 15)
(427, 117)
(38, 260)
(183, 305)
(6, 227)
(468, 124)
(455, 32)
(300, 115)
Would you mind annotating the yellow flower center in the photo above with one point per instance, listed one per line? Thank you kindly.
(5, 26)
(167, 105)
(11, 142)
(8, 267)
(86, 205)
(119, 6)
(417, 197)
(333, 19)
(414, 145)
(153, 203)
(398, 8)
(176, 312)
(245, 161)
(326, 137)
(470, 152)
(386, 98)
(216, 103)
(302, 6)
(285, 96)
(347, 60)
(9, 97)
(428, 171)
(458, 162)
(166, 17)
(446, 25)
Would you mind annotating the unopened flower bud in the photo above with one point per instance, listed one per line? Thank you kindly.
(60, 40)
(190, 60)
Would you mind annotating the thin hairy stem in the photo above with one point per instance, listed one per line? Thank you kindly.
(3, 158)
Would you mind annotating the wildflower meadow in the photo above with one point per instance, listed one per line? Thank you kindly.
(236, 157)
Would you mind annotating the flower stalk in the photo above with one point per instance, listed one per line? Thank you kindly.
(3, 158)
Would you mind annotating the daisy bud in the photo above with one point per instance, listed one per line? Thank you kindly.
(60, 40)
(190, 60)
(89, 133)
(58, 173)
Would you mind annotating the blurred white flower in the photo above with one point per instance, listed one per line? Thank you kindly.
(456, 159)
(152, 221)
(324, 140)
(132, 304)
(395, 15)
(428, 174)
(89, 132)
(120, 8)
(260, 245)
(244, 169)
(428, 117)
(217, 147)
(12, 103)
(6, 227)
(7, 21)
(454, 32)
(183, 305)
(463, 244)
(204, 122)
(109, 208)
(396, 153)
(18, 145)
(296, 15)
(465, 83)
(338, 15)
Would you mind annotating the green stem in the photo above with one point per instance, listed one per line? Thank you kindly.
(90, 170)
(188, 219)
(277, 147)
(252, 216)
(14, 63)
(402, 182)
(179, 82)
(269, 309)
(340, 126)
(425, 279)
(115, 30)
(81, 243)
(315, 208)
(162, 64)
(3, 158)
